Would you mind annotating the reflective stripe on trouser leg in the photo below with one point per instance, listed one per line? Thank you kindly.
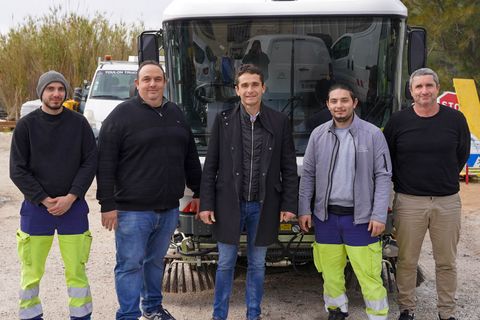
(32, 252)
(331, 259)
(75, 250)
(366, 262)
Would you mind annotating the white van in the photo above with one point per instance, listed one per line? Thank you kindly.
(311, 61)
(354, 62)
(111, 85)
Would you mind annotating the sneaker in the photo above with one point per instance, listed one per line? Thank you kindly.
(451, 318)
(336, 314)
(406, 315)
(163, 314)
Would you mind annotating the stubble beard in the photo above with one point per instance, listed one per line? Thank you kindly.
(53, 107)
(343, 119)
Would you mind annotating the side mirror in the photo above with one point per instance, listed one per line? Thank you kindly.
(148, 46)
(85, 88)
(417, 48)
(408, 94)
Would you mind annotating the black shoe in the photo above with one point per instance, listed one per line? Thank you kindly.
(337, 314)
(406, 315)
(162, 314)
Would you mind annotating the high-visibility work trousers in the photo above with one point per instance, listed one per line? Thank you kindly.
(366, 261)
(339, 237)
(33, 251)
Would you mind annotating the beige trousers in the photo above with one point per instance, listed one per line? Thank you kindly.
(441, 216)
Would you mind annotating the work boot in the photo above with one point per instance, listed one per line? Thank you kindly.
(406, 315)
(162, 314)
(336, 314)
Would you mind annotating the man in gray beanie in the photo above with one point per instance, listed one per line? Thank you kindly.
(53, 160)
(55, 79)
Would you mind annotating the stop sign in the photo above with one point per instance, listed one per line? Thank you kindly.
(449, 99)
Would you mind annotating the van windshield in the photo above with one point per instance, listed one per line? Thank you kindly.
(113, 84)
(300, 58)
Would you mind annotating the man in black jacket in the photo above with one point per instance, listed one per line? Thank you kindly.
(146, 155)
(53, 160)
(249, 182)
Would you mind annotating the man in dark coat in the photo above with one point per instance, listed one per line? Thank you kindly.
(249, 183)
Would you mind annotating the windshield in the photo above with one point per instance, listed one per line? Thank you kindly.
(300, 58)
(113, 84)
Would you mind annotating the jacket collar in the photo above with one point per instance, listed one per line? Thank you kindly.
(264, 115)
(353, 127)
(139, 99)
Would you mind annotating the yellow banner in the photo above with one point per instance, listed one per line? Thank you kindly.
(469, 104)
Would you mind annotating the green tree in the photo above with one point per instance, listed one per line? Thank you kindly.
(66, 42)
(453, 31)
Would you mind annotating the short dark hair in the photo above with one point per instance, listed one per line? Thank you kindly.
(149, 62)
(342, 86)
(251, 69)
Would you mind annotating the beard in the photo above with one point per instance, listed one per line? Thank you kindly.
(344, 118)
(52, 108)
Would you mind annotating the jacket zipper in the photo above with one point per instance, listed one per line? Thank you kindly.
(354, 173)
(330, 174)
(251, 167)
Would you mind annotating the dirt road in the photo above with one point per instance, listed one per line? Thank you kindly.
(287, 295)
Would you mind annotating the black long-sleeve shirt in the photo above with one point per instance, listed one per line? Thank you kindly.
(52, 155)
(427, 152)
(146, 155)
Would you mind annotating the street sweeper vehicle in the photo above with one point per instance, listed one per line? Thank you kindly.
(310, 44)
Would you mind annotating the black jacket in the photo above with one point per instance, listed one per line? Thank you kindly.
(146, 156)
(222, 175)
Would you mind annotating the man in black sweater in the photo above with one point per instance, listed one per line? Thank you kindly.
(429, 145)
(53, 161)
(146, 155)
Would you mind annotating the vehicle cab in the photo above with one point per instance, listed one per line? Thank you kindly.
(112, 84)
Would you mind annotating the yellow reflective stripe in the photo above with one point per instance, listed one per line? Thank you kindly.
(30, 312)
(29, 294)
(81, 311)
(79, 302)
(377, 317)
(79, 292)
(339, 302)
(24, 304)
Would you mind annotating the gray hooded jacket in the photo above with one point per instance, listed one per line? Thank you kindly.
(373, 171)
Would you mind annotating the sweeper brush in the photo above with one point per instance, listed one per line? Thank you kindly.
(191, 260)
(185, 276)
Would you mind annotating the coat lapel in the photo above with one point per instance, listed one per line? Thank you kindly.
(233, 132)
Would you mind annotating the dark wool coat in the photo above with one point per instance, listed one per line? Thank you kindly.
(222, 175)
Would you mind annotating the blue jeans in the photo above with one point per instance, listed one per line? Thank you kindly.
(250, 216)
(142, 239)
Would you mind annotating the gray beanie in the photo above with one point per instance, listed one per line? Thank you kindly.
(49, 77)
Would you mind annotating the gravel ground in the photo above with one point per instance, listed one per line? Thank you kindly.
(288, 295)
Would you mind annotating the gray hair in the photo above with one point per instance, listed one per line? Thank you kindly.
(424, 72)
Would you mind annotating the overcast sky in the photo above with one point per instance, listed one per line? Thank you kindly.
(13, 12)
